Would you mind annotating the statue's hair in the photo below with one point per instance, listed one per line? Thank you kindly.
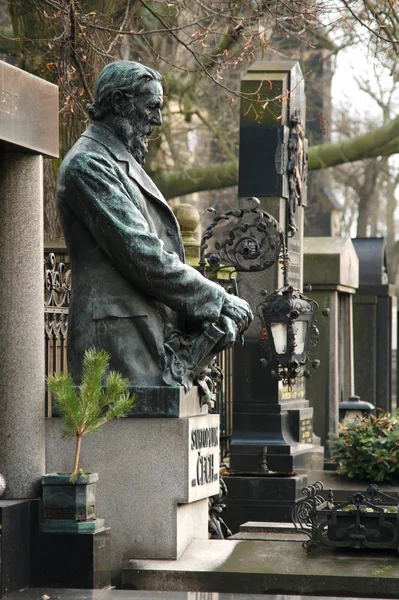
(123, 75)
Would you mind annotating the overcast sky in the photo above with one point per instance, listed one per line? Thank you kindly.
(352, 63)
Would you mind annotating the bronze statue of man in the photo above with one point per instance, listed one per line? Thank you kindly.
(133, 295)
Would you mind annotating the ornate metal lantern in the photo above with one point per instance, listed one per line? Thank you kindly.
(254, 242)
(289, 333)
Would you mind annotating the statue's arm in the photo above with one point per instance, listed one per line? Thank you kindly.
(95, 194)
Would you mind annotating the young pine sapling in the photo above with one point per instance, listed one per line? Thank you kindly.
(86, 408)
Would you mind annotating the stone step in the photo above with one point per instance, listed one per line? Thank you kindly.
(279, 567)
(273, 532)
(267, 527)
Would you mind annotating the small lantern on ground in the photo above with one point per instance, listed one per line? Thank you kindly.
(354, 408)
(289, 332)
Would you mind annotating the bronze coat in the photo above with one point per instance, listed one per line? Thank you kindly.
(128, 271)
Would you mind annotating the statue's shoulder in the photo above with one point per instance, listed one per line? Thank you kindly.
(89, 149)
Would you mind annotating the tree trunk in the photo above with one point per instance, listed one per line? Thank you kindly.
(363, 218)
(39, 54)
(77, 453)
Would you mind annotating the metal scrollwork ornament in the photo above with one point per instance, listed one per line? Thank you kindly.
(253, 243)
(364, 521)
(217, 528)
(304, 514)
(57, 294)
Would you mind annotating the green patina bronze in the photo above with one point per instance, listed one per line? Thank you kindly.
(133, 295)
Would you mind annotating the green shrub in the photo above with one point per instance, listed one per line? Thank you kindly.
(368, 448)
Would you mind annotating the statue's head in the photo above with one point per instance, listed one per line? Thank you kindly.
(129, 99)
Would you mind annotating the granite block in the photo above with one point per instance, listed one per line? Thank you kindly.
(22, 436)
(145, 490)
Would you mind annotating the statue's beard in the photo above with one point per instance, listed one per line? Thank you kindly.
(133, 135)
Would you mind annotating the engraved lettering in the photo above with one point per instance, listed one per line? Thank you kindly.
(205, 469)
(8, 102)
(207, 437)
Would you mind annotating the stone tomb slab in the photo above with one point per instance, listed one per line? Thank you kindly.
(269, 568)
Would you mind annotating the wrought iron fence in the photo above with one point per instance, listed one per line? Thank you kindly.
(224, 402)
(57, 292)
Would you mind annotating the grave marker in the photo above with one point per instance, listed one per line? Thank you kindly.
(272, 424)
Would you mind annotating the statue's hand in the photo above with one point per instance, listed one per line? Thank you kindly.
(239, 311)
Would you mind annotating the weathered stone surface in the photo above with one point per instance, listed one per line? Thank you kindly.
(374, 323)
(331, 261)
(331, 267)
(28, 112)
(254, 567)
(258, 498)
(21, 324)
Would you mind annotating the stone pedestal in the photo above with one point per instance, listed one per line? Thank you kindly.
(17, 532)
(73, 560)
(28, 129)
(331, 267)
(155, 474)
(374, 322)
(263, 497)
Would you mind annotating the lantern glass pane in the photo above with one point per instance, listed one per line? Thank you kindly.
(279, 332)
(300, 331)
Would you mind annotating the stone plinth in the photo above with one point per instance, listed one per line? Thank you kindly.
(155, 477)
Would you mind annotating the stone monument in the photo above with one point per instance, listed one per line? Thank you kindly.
(331, 266)
(28, 131)
(161, 321)
(132, 291)
(375, 323)
(272, 424)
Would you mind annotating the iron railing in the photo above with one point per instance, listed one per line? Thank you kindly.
(224, 401)
(57, 291)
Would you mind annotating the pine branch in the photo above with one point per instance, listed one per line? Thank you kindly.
(87, 408)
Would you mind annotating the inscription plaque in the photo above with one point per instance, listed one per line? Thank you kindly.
(295, 392)
(301, 424)
(305, 429)
(203, 457)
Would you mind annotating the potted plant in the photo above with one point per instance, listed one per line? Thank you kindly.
(69, 498)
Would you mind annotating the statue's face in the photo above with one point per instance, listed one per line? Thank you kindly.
(140, 115)
(149, 105)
